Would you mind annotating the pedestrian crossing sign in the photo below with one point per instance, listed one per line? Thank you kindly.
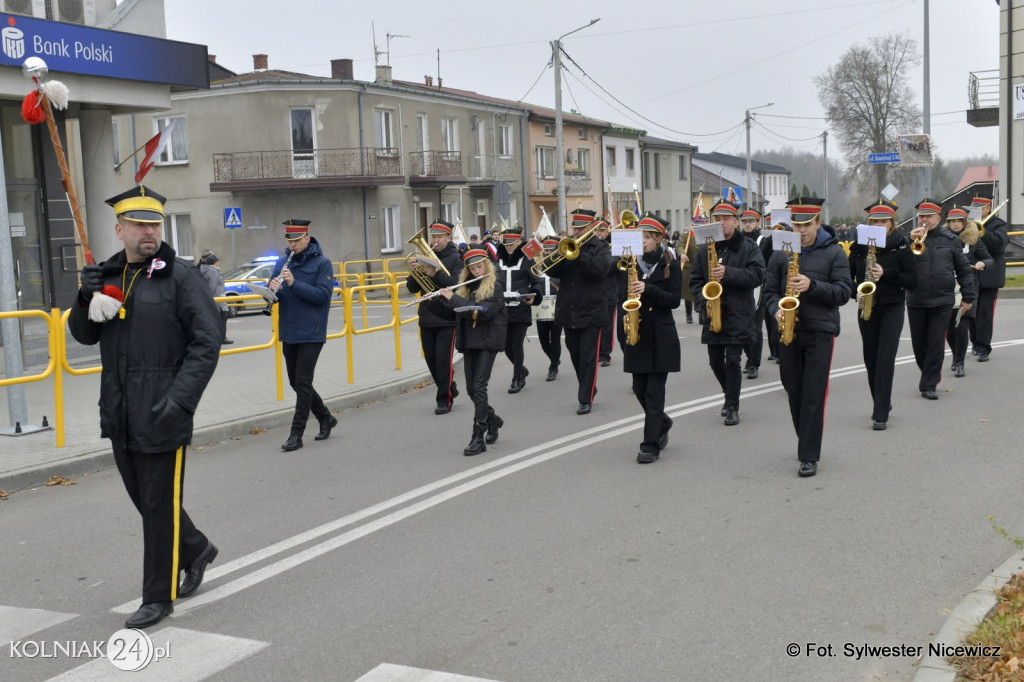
(232, 217)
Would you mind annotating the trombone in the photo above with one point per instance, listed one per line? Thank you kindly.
(568, 249)
(419, 240)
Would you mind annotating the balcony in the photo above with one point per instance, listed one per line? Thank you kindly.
(489, 169)
(577, 183)
(435, 169)
(983, 98)
(319, 168)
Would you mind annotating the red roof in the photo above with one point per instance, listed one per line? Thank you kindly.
(978, 174)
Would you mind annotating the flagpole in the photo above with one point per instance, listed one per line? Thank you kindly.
(131, 156)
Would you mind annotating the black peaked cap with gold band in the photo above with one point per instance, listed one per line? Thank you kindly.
(804, 209)
(140, 204)
(295, 229)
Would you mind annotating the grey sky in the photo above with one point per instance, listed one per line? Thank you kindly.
(691, 68)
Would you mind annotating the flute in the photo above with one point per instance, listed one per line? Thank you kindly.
(432, 294)
(280, 282)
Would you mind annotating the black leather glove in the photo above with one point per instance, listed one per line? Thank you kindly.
(167, 413)
(92, 280)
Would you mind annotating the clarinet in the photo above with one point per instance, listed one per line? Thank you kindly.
(286, 262)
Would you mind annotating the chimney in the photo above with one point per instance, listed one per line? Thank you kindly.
(383, 74)
(259, 62)
(429, 80)
(212, 58)
(341, 69)
(439, 81)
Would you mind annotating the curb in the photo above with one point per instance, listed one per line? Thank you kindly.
(965, 617)
(103, 457)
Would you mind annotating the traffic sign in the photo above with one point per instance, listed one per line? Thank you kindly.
(232, 217)
(887, 157)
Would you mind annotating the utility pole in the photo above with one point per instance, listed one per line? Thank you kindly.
(750, 188)
(824, 152)
(927, 182)
(556, 62)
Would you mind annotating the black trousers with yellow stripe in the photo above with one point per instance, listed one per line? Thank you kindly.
(154, 482)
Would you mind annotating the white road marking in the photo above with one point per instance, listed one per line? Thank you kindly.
(389, 672)
(17, 623)
(191, 656)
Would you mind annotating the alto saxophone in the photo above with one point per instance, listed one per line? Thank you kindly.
(791, 301)
(712, 291)
(866, 289)
(631, 306)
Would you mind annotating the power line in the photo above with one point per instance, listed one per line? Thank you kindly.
(791, 139)
(526, 94)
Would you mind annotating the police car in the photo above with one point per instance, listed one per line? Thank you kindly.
(256, 271)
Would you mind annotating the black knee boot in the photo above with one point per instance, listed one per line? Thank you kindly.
(476, 444)
(494, 422)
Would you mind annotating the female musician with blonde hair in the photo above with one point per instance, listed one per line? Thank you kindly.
(980, 259)
(481, 321)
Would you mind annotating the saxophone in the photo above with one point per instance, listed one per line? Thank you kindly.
(631, 306)
(790, 302)
(712, 291)
(866, 289)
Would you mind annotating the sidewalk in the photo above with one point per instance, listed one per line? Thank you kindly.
(240, 397)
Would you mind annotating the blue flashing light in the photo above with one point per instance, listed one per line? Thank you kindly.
(266, 259)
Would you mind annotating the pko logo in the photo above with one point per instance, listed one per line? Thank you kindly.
(13, 41)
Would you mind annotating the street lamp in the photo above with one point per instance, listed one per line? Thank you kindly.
(556, 60)
(746, 120)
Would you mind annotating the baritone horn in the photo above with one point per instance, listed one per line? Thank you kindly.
(627, 220)
(423, 250)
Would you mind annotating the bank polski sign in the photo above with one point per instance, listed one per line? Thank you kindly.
(91, 51)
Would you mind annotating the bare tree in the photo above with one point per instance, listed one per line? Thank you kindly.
(868, 103)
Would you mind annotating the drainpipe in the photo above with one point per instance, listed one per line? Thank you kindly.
(523, 155)
(362, 162)
(1009, 113)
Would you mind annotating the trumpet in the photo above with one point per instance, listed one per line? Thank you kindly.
(866, 289)
(422, 244)
(917, 245)
(568, 249)
(712, 291)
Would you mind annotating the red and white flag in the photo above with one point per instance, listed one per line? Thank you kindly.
(154, 148)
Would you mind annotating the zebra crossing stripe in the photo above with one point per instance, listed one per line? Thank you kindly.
(182, 655)
(17, 623)
(389, 672)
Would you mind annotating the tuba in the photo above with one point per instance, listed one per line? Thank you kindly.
(422, 244)
(627, 220)
(791, 301)
(631, 306)
(866, 289)
(712, 291)
(568, 249)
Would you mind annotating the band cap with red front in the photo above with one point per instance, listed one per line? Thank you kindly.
(550, 242)
(750, 214)
(804, 209)
(295, 228)
(725, 208)
(981, 201)
(512, 234)
(651, 223)
(928, 207)
(956, 213)
(882, 209)
(475, 256)
(582, 217)
(140, 204)
(441, 227)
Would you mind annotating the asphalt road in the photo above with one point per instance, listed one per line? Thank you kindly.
(554, 556)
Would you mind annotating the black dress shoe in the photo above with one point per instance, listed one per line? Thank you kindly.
(646, 456)
(772, 357)
(983, 357)
(584, 408)
(752, 373)
(689, 319)
(958, 370)
(878, 425)
(293, 443)
(605, 362)
(552, 373)
(732, 417)
(325, 429)
(442, 409)
(194, 573)
(515, 386)
(930, 395)
(807, 469)
(226, 342)
(150, 614)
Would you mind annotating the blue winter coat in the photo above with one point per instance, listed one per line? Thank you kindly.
(304, 305)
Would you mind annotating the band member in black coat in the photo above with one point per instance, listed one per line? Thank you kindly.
(658, 287)
(940, 267)
(522, 290)
(581, 307)
(980, 261)
(822, 285)
(548, 330)
(610, 331)
(893, 275)
(740, 269)
(481, 321)
(990, 280)
(750, 223)
(437, 322)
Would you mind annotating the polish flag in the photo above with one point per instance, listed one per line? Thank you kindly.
(154, 148)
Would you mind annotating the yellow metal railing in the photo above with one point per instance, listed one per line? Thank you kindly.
(1016, 262)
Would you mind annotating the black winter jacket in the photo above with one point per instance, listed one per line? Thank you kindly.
(996, 240)
(435, 312)
(657, 347)
(899, 273)
(487, 331)
(514, 273)
(744, 272)
(939, 269)
(582, 295)
(305, 304)
(827, 266)
(167, 346)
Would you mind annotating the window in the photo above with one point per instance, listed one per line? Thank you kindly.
(449, 134)
(583, 133)
(630, 162)
(303, 144)
(682, 166)
(178, 233)
(421, 133)
(505, 139)
(383, 129)
(449, 212)
(647, 170)
(117, 143)
(549, 129)
(609, 160)
(176, 150)
(392, 238)
(546, 162)
(657, 171)
(583, 160)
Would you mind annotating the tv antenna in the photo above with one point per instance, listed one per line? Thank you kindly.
(388, 46)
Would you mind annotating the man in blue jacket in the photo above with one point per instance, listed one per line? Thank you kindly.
(304, 285)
